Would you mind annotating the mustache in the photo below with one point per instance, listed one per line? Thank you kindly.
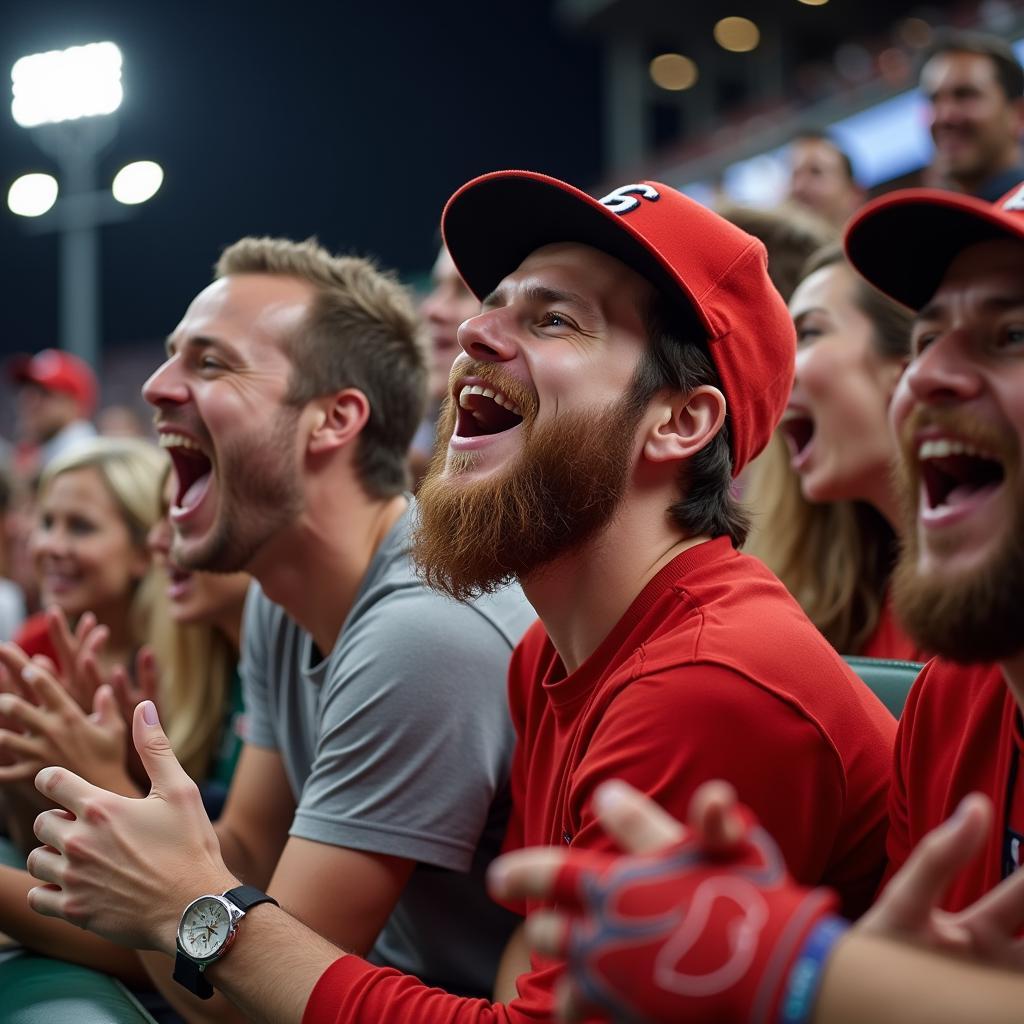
(982, 435)
(525, 396)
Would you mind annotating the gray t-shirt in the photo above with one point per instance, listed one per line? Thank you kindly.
(399, 743)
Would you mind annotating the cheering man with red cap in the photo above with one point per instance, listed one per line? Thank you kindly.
(630, 358)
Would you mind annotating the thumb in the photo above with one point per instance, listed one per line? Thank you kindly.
(162, 767)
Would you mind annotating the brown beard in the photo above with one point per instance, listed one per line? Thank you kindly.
(562, 488)
(976, 617)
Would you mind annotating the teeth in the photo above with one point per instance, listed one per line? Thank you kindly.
(178, 441)
(495, 396)
(944, 446)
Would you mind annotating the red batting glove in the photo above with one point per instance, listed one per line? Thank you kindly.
(677, 936)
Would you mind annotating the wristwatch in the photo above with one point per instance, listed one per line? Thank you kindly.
(207, 928)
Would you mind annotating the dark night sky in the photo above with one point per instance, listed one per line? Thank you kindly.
(353, 122)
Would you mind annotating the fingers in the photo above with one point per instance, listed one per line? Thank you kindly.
(60, 635)
(146, 674)
(105, 710)
(46, 864)
(20, 745)
(20, 771)
(635, 821)
(14, 660)
(526, 874)
(65, 788)
(547, 932)
(25, 713)
(714, 817)
(51, 827)
(47, 900)
(47, 690)
(917, 888)
(999, 911)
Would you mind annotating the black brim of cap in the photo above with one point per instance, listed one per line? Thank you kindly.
(905, 248)
(492, 226)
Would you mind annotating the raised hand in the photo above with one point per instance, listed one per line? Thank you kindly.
(126, 868)
(700, 923)
(51, 729)
(908, 908)
(78, 652)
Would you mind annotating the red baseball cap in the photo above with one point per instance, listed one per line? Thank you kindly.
(54, 370)
(904, 242)
(703, 264)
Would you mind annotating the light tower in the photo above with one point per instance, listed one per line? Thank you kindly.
(67, 99)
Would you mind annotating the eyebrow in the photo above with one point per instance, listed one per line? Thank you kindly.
(542, 294)
(199, 342)
(934, 310)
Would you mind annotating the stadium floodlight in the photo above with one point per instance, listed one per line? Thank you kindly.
(32, 195)
(137, 182)
(64, 85)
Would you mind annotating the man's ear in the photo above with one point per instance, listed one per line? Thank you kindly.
(338, 420)
(683, 423)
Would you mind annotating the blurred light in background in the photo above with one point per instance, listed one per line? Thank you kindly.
(738, 35)
(63, 85)
(32, 195)
(137, 182)
(915, 33)
(814, 3)
(673, 71)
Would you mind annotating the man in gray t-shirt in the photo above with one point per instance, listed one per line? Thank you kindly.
(397, 742)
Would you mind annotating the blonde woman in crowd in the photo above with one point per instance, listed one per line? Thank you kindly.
(94, 510)
(825, 499)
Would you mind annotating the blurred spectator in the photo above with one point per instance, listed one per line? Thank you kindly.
(449, 303)
(56, 397)
(12, 601)
(122, 421)
(825, 498)
(791, 234)
(821, 178)
(96, 505)
(974, 85)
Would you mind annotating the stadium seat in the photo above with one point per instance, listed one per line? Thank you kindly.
(39, 990)
(889, 680)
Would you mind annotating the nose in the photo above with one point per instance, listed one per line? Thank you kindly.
(166, 386)
(488, 336)
(943, 374)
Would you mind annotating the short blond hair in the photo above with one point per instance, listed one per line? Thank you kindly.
(361, 332)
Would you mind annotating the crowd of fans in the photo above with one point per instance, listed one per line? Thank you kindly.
(344, 701)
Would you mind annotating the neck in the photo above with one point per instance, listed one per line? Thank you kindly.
(582, 595)
(1008, 160)
(1013, 673)
(314, 568)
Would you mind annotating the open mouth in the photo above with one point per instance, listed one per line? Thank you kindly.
(485, 410)
(953, 471)
(798, 430)
(192, 468)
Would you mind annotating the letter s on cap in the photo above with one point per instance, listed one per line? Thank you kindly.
(624, 198)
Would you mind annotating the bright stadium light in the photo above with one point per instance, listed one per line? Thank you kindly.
(137, 182)
(32, 195)
(64, 85)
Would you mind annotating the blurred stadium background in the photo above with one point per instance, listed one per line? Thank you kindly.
(354, 122)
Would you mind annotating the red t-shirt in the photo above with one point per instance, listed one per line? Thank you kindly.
(713, 672)
(889, 639)
(957, 734)
(34, 638)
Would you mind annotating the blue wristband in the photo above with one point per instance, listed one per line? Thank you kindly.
(805, 975)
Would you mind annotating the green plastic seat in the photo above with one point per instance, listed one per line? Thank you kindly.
(889, 680)
(39, 990)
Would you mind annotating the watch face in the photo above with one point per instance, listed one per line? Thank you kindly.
(204, 927)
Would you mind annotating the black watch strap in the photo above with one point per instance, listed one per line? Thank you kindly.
(245, 897)
(188, 973)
